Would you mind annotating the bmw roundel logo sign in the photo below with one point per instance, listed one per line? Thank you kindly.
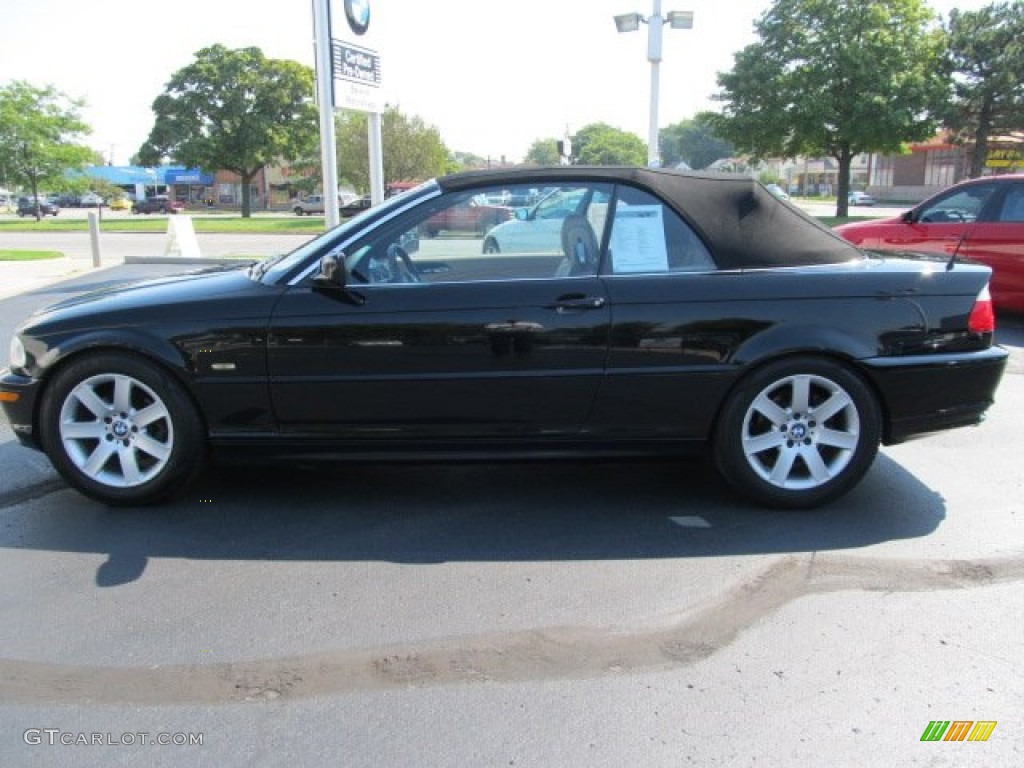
(358, 14)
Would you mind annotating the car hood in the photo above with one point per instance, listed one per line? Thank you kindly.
(209, 293)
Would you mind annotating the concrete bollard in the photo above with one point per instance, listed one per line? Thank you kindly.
(94, 239)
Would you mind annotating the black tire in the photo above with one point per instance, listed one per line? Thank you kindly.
(121, 430)
(798, 433)
(491, 246)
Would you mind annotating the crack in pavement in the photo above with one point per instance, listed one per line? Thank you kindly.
(541, 654)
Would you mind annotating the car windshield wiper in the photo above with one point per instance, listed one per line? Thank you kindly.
(258, 269)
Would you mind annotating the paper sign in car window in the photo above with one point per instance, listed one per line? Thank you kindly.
(638, 239)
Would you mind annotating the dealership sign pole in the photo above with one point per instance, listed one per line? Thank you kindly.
(357, 80)
(325, 102)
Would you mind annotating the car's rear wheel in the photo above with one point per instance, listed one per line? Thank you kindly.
(121, 430)
(798, 433)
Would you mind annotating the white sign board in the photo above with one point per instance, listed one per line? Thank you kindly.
(355, 61)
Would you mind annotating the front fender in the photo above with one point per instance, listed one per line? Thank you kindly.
(46, 353)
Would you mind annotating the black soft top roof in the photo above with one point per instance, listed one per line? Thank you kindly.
(743, 224)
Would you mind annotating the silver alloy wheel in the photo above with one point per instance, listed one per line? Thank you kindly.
(116, 430)
(800, 432)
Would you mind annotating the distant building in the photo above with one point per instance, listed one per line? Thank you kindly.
(189, 185)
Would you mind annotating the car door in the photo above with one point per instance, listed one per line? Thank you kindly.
(943, 225)
(669, 342)
(443, 342)
(998, 241)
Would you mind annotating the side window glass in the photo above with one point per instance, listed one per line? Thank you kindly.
(519, 232)
(963, 205)
(1013, 205)
(649, 237)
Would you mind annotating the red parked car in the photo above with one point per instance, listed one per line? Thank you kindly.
(981, 219)
(474, 215)
(158, 204)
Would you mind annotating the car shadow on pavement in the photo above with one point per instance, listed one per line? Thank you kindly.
(423, 513)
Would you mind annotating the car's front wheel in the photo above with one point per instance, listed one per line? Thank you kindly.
(491, 246)
(798, 433)
(121, 430)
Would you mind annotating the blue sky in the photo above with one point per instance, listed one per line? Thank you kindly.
(491, 76)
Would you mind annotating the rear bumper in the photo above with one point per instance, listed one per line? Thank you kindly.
(21, 410)
(932, 392)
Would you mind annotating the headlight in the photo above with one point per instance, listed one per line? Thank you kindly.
(18, 357)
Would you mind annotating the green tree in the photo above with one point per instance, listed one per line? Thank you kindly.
(234, 110)
(412, 150)
(693, 142)
(543, 152)
(986, 55)
(464, 161)
(601, 144)
(39, 133)
(835, 79)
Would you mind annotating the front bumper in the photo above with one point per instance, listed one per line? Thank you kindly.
(19, 395)
(927, 393)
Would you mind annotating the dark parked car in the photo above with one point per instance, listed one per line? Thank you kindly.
(158, 204)
(27, 206)
(358, 205)
(981, 219)
(669, 312)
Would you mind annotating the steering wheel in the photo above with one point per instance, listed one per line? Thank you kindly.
(403, 269)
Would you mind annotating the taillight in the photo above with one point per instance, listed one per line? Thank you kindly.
(982, 319)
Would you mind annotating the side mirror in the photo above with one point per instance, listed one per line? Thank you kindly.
(522, 214)
(332, 271)
(908, 217)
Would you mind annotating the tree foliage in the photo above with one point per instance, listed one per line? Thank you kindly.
(601, 144)
(986, 55)
(465, 161)
(835, 79)
(693, 142)
(412, 150)
(39, 133)
(234, 110)
(543, 152)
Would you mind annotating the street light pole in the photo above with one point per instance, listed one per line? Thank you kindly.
(654, 24)
(630, 22)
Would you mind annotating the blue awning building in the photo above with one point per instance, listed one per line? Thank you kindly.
(187, 184)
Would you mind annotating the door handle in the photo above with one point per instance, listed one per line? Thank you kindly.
(574, 303)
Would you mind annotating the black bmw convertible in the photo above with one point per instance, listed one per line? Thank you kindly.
(643, 312)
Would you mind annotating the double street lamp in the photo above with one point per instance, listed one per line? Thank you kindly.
(630, 22)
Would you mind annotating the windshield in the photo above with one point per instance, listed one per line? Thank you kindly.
(275, 268)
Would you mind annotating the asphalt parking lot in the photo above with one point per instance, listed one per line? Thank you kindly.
(549, 614)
